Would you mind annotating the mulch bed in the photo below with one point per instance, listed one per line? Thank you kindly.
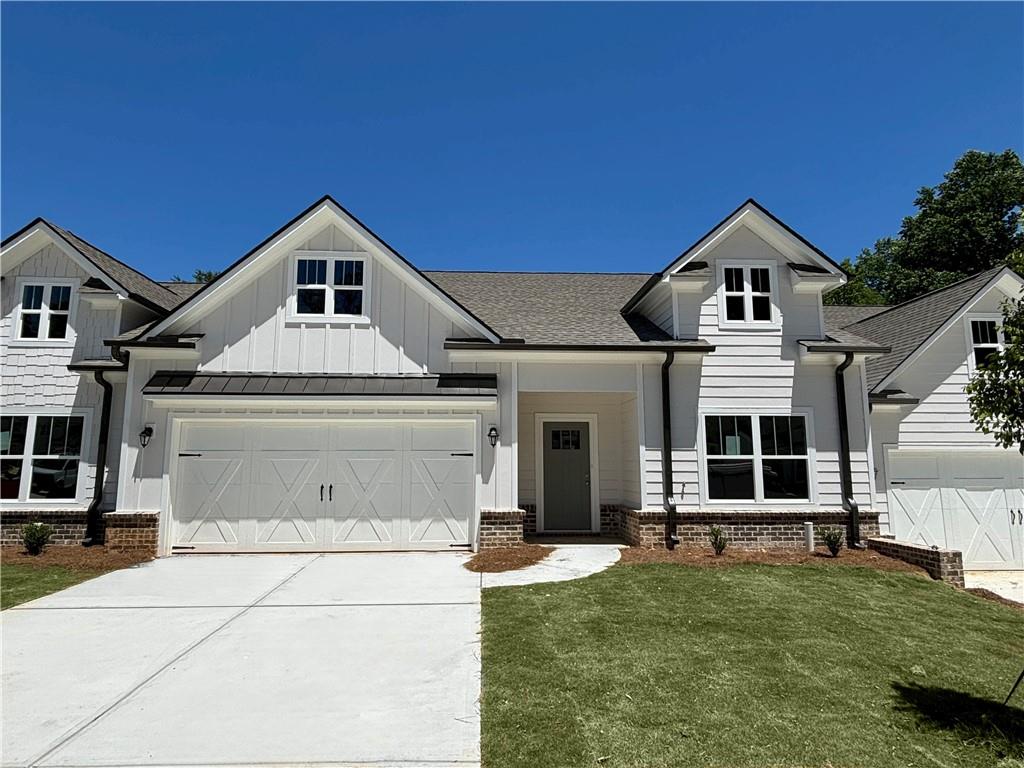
(705, 557)
(507, 559)
(990, 595)
(72, 556)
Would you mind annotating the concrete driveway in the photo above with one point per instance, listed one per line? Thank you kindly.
(249, 659)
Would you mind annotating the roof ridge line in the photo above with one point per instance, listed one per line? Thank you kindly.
(65, 231)
(932, 292)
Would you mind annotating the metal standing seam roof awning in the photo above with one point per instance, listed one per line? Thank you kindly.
(196, 386)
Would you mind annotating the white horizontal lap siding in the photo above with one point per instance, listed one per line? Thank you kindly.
(38, 377)
(610, 435)
(754, 370)
(251, 332)
(937, 378)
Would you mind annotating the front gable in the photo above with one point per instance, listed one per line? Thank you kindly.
(772, 277)
(323, 295)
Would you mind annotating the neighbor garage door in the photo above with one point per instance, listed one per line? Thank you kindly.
(967, 500)
(321, 486)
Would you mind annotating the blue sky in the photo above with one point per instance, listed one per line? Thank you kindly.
(543, 137)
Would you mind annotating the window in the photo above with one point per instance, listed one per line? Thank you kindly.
(39, 457)
(333, 287)
(45, 311)
(565, 440)
(985, 340)
(746, 295)
(770, 463)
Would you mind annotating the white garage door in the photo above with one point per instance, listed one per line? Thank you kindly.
(320, 486)
(967, 500)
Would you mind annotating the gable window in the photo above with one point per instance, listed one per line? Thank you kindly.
(985, 340)
(330, 287)
(40, 456)
(45, 312)
(748, 294)
(757, 458)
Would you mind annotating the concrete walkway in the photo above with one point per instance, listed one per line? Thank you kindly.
(1008, 584)
(249, 660)
(568, 561)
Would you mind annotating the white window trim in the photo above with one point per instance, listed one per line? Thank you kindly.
(754, 413)
(293, 316)
(749, 325)
(84, 463)
(969, 336)
(44, 314)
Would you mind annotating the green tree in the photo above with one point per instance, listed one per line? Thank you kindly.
(969, 222)
(996, 390)
(199, 276)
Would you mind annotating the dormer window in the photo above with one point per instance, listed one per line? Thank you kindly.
(984, 339)
(747, 295)
(45, 312)
(330, 287)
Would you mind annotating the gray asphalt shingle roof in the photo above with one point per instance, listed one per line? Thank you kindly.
(905, 327)
(553, 307)
(840, 316)
(136, 283)
(183, 290)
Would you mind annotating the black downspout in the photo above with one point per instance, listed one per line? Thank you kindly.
(93, 527)
(666, 452)
(845, 474)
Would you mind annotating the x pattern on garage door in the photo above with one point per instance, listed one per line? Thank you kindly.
(969, 500)
(323, 486)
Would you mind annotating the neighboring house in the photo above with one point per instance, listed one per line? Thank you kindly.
(325, 394)
(939, 481)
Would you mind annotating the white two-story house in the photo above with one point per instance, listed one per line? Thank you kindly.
(325, 394)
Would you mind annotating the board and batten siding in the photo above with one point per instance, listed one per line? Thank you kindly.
(250, 330)
(36, 378)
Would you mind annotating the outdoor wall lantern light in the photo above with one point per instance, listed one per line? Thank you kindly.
(145, 435)
(492, 436)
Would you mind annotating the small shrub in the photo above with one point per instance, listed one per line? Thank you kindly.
(719, 541)
(35, 536)
(833, 538)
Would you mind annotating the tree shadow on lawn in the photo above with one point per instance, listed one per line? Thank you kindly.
(981, 723)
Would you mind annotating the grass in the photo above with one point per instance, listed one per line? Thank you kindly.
(24, 578)
(749, 665)
(21, 583)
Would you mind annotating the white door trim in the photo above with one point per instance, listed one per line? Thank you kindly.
(590, 419)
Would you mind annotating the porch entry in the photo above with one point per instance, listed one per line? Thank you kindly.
(567, 498)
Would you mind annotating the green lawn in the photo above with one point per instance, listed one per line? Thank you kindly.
(752, 665)
(21, 583)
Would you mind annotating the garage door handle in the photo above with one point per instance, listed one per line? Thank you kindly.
(330, 492)
(321, 491)
(897, 482)
(184, 455)
(462, 454)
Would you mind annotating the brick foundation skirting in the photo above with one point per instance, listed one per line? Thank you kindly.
(501, 528)
(68, 524)
(942, 564)
(746, 529)
(610, 519)
(131, 532)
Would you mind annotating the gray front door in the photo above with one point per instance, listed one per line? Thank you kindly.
(567, 476)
